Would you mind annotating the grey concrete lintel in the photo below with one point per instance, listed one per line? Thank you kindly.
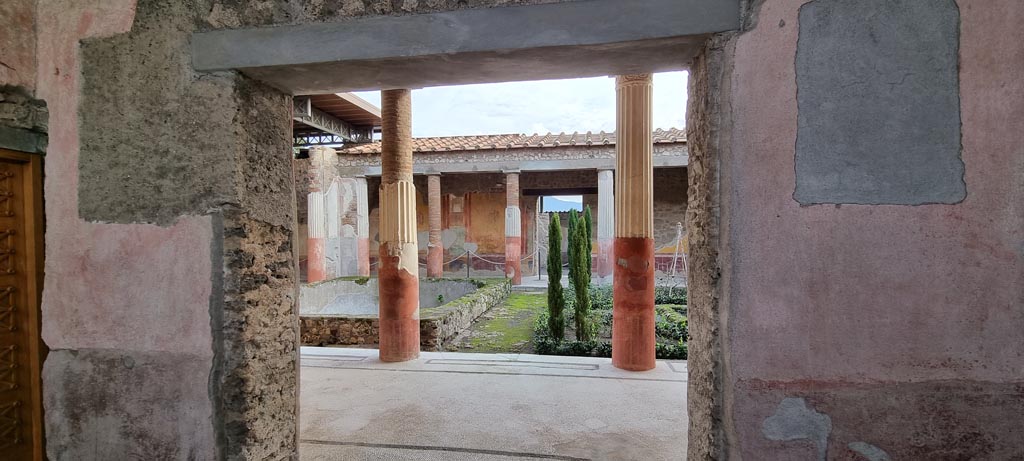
(579, 38)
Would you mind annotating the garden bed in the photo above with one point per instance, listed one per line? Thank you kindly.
(343, 311)
(670, 326)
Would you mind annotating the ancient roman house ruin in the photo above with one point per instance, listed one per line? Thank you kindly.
(849, 179)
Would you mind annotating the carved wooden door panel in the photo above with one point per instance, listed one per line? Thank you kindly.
(20, 276)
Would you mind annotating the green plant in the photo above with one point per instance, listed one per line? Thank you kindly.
(579, 277)
(669, 295)
(556, 300)
(570, 237)
(670, 324)
(440, 299)
(600, 297)
(671, 351)
(671, 330)
(588, 224)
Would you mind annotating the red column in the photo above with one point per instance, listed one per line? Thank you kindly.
(435, 251)
(399, 260)
(363, 227)
(633, 287)
(513, 230)
(316, 259)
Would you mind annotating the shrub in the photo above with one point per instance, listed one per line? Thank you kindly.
(669, 295)
(601, 297)
(556, 300)
(671, 351)
(671, 330)
(670, 324)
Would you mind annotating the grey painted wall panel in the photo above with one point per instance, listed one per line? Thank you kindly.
(879, 107)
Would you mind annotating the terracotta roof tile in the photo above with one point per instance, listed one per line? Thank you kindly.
(514, 141)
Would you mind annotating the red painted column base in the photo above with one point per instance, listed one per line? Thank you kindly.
(435, 262)
(513, 250)
(399, 310)
(633, 305)
(363, 249)
(316, 260)
(605, 258)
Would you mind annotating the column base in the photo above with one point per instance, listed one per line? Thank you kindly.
(363, 247)
(605, 258)
(633, 334)
(435, 261)
(399, 305)
(513, 251)
(316, 260)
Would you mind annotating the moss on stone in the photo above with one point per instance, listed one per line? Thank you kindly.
(509, 327)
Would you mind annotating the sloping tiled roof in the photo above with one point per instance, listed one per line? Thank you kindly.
(514, 141)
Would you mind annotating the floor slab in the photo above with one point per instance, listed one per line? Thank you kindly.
(455, 406)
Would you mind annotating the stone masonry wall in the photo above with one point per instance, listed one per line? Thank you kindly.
(705, 117)
(23, 120)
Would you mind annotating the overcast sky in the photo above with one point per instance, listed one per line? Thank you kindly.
(584, 104)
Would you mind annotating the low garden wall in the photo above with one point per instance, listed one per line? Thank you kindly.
(439, 325)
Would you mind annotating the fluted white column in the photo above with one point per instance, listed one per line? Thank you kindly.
(605, 221)
(633, 332)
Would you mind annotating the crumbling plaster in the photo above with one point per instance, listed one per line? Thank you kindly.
(18, 55)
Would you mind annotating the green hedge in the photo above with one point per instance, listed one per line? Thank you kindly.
(666, 349)
(601, 296)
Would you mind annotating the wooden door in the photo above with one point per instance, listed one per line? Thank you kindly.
(21, 350)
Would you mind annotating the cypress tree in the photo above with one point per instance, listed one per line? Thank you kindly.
(569, 236)
(588, 221)
(556, 300)
(580, 279)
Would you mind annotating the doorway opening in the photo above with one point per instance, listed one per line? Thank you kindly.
(479, 329)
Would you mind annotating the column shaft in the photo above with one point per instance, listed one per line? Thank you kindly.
(513, 230)
(435, 251)
(363, 227)
(322, 171)
(633, 335)
(316, 240)
(605, 222)
(399, 260)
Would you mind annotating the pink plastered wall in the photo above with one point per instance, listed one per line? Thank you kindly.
(115, 295)
(118, 286)
(826, 300)
(17, 55)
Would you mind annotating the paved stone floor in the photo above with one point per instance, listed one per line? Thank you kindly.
(462, 406)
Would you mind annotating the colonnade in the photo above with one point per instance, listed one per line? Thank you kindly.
(624, 227)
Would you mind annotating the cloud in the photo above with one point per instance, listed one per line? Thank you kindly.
(586, 104)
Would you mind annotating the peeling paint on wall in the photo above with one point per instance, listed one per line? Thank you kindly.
(794, 420)
(869, 451)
